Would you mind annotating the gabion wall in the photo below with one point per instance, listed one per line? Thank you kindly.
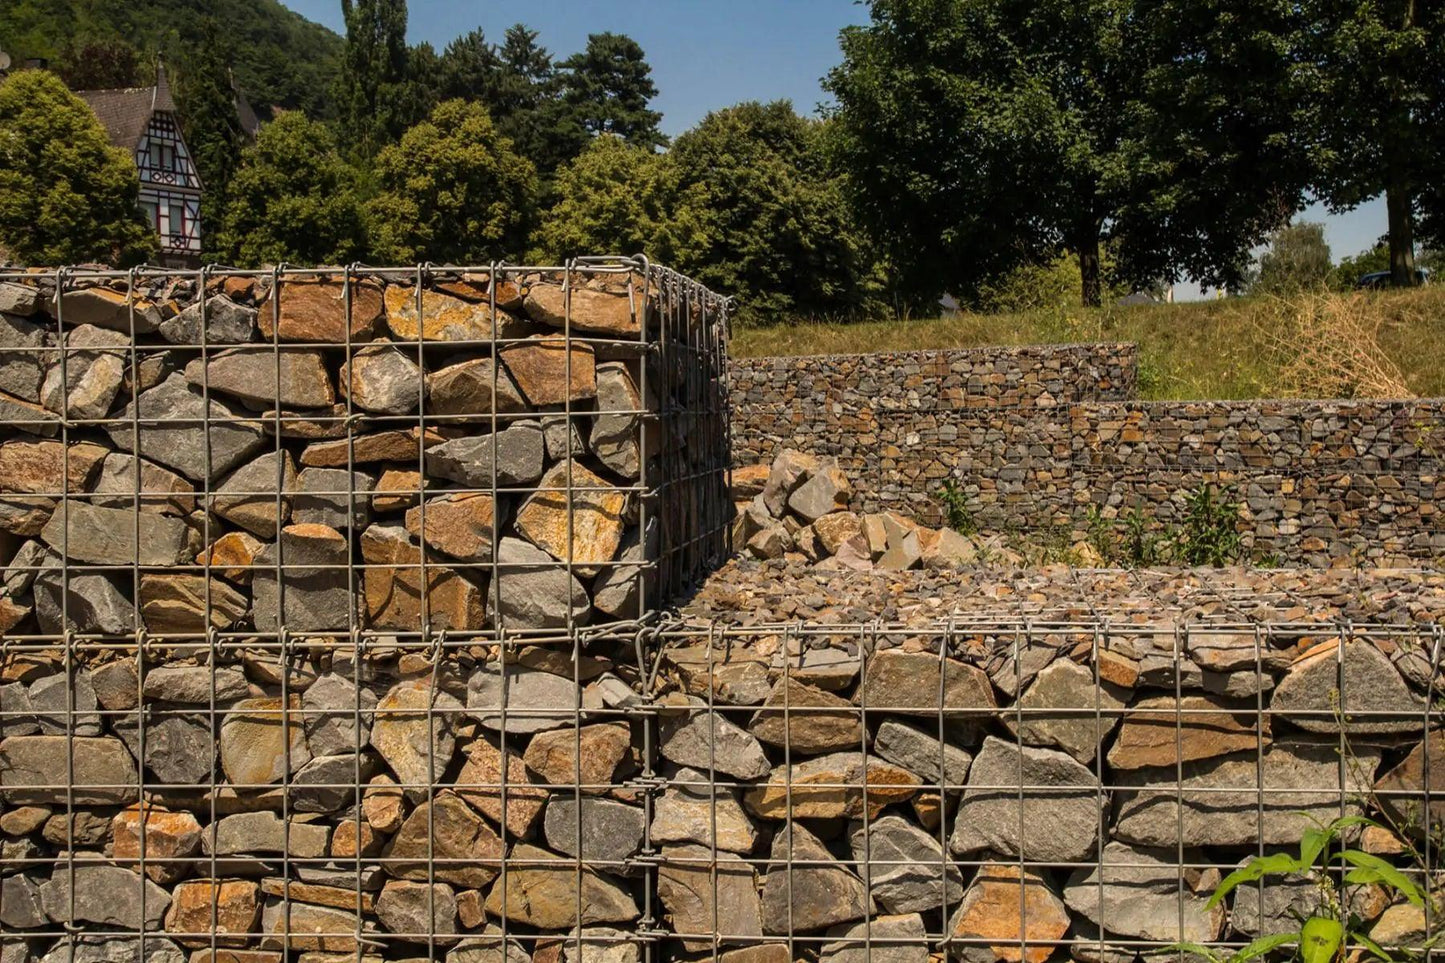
(397, 452)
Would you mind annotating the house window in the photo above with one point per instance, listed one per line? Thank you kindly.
(180, 223)
(152, 212)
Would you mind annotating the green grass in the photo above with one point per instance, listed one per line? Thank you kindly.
(1203, 350)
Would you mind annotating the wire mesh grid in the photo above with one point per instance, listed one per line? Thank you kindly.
(981, 790)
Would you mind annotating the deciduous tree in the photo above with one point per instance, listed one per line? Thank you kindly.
(374, 77)
(609, 200)
(1298, 259)
(66, 195)
(452, 190)
(294, 199)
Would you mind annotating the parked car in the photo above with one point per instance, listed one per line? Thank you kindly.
(1376, 280)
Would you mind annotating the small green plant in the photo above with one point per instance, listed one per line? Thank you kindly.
(1099, 533)
(1148, 376)
(1141, 546)
(1335, 870)
(955, 507)
(1210, 532)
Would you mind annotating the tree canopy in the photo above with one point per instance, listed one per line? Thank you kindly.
(609, 199)
(293, 198)
(207, 105)
(607, 88)
(452, 190)
(1298, 259)
(66, 195)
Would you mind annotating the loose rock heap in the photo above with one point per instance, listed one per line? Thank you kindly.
(179, 460)
(796, 509)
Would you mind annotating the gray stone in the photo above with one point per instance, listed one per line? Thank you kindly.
(115, 536)
(23, 357)
(465, 388)
(161, 490)
(789, 470)
(248, 497)
(600, 944)
(692, 805)
(706, 893)
(807, 720)
(331, 496)
(617, 588)
(1158, 671)
(16, 718)
(94, 367)
(172, 416)
(1285, 901)
(534, 589)
(488, 948)
(180, 749)
(611, 831)
(338, 715)
(883, 939)
(195, 684)
(1058, 821)
(107, 895)
(417, 910)
(264, 833)
(60, 713)
(383, 380)
(520, 455)
(921, 753)
(33, 770)
(909, 872)
(265, 377)
(826, 490)
(615, 437)
(1147, 801)
(225, 322)
(18, 299)
(29, 558)
(113, 949)
(20, 906)
(14, 949)
(555, 437)
(1141, 896)
(28, 417)
(317, 594)
(1322, 689)
(1063, 708)
(706, 740)
(806, 888)
(117, 686)
(535, 701)
(89, 603)
(326, 783)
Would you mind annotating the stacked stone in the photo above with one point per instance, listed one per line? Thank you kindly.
(237, 805)
(796, 510)
(1065, 802)
(325, 452)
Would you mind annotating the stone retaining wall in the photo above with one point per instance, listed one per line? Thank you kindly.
(390, 451)
(1317, 481)
(1025, 786)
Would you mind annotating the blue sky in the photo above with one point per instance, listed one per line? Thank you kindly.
(707, 54)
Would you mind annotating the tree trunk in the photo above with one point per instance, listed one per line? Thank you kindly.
(1086, 243)
(1402, 235)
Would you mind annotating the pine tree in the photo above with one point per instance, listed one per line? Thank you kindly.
(374, 74)
(608, 88)
(212, 127)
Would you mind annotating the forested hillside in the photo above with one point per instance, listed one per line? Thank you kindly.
(281, 58)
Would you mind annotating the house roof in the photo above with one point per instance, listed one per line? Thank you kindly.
(125, 112)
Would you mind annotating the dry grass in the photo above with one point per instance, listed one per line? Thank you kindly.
(1205, 350)
(1329, 346)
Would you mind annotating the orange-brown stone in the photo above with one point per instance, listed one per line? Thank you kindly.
(1014, 915)
(314, 310)
(204, 906)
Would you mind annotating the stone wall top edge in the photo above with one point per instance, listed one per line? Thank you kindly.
(1090, 347)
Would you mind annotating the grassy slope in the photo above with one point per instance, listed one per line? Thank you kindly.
(1211, 349)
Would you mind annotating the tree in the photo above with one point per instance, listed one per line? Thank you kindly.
(1377, 109)
(527, 103)
(293, 199)
(374, 73)
(470, 69)
(1298, 259)
(66, 195)
(608, 87)
(207, 103)
(452, 190)
(1346, 275)
(99, 64)
(754, 211)
(984, 134)
(609, 199)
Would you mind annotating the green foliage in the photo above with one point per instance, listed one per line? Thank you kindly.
(103, 63)
(66, 195)
(955, 507)
(608, 201)
(452, 190)
(1348, 272)
(208, 117)
(1298, 259)
(1048, 284)
(1099, 533)
(1142, 547)
(1336, 871)
(1209, 534)
(755, 211)
(607, 88)
(993, 133)
(373, 88)
(281, 58)
(293, 199)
